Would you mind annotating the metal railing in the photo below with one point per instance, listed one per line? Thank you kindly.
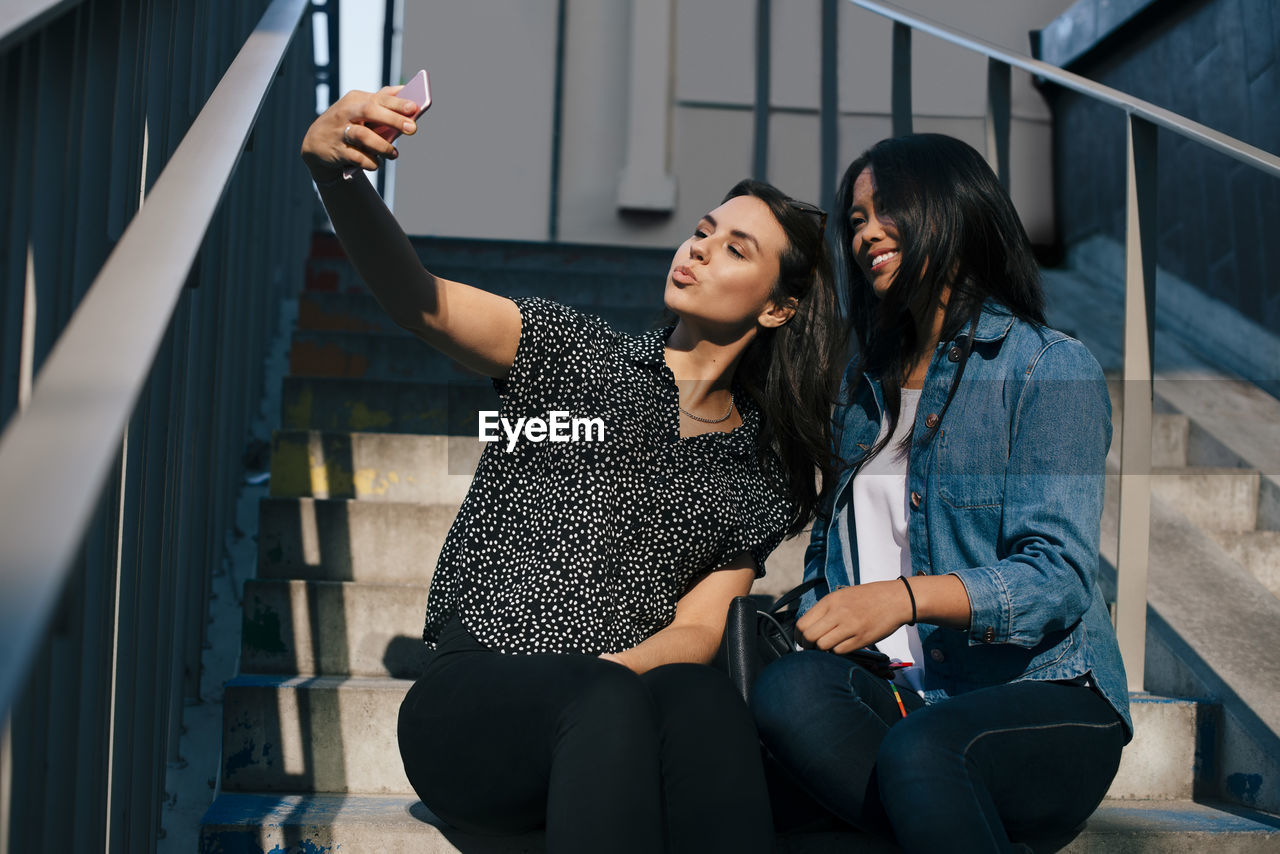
(1140, 253)
(143, 264)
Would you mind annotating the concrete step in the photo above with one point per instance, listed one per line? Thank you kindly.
(360, 312)
(641, 288)
(1212, 631)
(385, 406)
(341, 540)
(374, 355)
(333, 628)
(312, 734)
(572, 273)
(1256, 551)
(338, 734)
(372, 466)
(391, 824)
(1169, 438)
(449, 253)
(1214, 499)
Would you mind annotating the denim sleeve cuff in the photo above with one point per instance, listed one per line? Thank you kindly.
(989, 605)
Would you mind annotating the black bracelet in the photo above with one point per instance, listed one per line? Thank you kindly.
(903, 579)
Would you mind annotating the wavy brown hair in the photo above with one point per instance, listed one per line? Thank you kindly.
(792, 371)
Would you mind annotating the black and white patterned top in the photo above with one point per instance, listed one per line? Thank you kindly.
(585, 546)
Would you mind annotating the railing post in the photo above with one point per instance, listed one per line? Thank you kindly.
(334, 16)
(830, 101)
(6, 779)
(764, 72)
(901, 79)
(997, 120)
(1135, 440)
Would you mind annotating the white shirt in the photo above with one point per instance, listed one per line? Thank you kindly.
(879, 512)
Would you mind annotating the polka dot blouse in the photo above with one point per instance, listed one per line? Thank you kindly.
(585, 546)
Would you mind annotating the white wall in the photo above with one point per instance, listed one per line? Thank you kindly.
(481, 165)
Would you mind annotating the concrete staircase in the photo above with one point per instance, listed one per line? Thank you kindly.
(373, 457)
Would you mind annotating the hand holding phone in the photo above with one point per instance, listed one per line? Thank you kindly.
(417, 90)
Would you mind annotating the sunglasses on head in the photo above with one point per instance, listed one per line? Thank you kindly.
(805, 207)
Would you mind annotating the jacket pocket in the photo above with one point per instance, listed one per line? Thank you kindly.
(971, 469)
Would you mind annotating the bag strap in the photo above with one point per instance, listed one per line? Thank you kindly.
(795, 593)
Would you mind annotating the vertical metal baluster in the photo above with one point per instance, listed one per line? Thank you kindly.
(830, 109)
(176, 495)
(997, 119)
(153, 698)
(6, 781)
(760, 153)
(557, 113)
(1135, 442)
(27, 349)
(901, 91)
(334, 10)
(119, 745)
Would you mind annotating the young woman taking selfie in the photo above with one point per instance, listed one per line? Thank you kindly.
(961, 537)
(584, 585)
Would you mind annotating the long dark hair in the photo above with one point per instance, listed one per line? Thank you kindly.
(957, 228)
(791, 371)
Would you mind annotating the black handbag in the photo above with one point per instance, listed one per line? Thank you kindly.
(755, 638)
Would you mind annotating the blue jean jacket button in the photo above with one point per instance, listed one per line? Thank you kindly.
(937, 655)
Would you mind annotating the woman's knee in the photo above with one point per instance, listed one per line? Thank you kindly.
(787, 688)
(610, 696)
(915, 742)
(694, 690)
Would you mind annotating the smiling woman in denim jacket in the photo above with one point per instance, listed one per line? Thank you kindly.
(961, 538)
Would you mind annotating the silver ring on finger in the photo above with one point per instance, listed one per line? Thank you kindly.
(346, 134)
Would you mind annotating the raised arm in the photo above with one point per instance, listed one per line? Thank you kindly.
(477, 328)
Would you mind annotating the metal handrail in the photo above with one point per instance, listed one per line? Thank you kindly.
(55, 456)
(18, 18)
(1167, 119)
(1142, 119)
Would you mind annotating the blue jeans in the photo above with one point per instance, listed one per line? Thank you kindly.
(1023, 760)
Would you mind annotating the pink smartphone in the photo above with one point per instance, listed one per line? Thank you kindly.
(417, 90)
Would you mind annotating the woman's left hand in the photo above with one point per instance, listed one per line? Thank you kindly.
(853, 617)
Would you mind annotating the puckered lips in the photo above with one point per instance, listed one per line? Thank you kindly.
(683, 275)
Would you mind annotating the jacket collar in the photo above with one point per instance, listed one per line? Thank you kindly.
(994, 323)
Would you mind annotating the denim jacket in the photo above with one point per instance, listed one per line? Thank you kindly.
(1007, 496)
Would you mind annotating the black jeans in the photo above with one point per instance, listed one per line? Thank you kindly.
(608, 760)
(1022, 760)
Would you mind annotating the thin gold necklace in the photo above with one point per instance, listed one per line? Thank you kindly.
(724, 417)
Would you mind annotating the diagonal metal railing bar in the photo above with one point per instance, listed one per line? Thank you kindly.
(18, 18)
(1203, 134)
(56, 455)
